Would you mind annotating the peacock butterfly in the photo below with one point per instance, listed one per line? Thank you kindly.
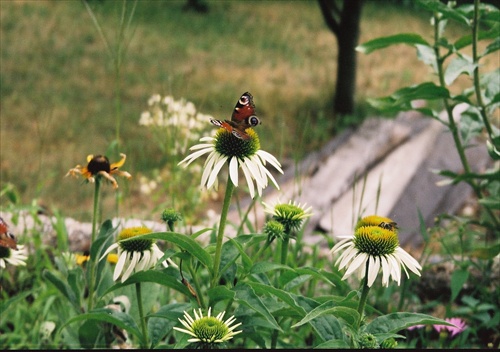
(242, 118)
(7, 239)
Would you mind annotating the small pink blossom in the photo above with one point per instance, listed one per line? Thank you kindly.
(454, 330)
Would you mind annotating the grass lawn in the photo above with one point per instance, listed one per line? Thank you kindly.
(58, 83)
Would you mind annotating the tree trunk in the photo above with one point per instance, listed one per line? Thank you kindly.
(344, 23)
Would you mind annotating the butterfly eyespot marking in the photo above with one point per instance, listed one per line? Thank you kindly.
(253, 120)
(244, 100)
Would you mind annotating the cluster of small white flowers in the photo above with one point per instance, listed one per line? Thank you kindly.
(190, 125)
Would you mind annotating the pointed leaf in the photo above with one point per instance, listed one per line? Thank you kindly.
(184, 242)
(456, 67)
(458, 279)
(380, 43)
(285, 296)
(163, 321)
(349, 315)
(336, 343)
(122, 320)
(155, 276)
(394, 322)
(247, 296)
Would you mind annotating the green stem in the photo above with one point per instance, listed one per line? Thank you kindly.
(284, 249)
(475, 60)
(451, 121)
(364, 296)
(141, 315)
(93, 261)
(222, 226)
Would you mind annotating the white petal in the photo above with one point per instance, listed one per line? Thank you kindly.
(395, 268)
(265, 156)
(131, 266)
(386, 271)
(110, 248)
(233, 170)
(409, 261)
(119, 265)
(254, 170)
(373, 269)
(348, 255)
(248, 177)
(215, 171)
(207, 168)
(358, 262)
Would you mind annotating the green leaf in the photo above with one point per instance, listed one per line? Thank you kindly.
(427, 55)
(486, 253)
(155, 276)
(471, 125)
(336, 343)
(456, 67)
(380, 43)
(445, 11)
(163, 321)
(120, 319)
(492, 47)
(220, 293)
(285, 296)
(458, 279)
(349, 315)
(62, 286)
(394, 322)
(491, 202)
(402, 98)
(184, 242)
(264, 267)
(247, 296)
(245, 259)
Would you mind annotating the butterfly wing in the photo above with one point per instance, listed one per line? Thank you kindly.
(7, 239)
(243, 117)
(232, 127)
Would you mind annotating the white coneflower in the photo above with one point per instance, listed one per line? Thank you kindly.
(134, 255)
(375, 247)
(12, 256)
(237, 153)
(208, 330)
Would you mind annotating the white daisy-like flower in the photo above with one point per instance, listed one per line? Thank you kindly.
(134, 255)
(237, 153)
(375, 247)
(12, 256)
(208, 329)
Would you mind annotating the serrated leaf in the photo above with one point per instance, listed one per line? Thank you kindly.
(458, 279)
(380, 43)
(394, 322)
